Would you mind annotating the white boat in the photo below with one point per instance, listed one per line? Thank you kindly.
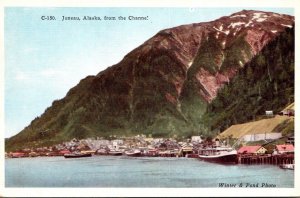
(287, 166)
(133, 153)
(219, 154)
(77, 155)
(115, 152)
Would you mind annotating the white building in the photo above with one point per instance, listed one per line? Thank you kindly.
(196, 139)
(261, 136)
(117, 143)
(269, 113)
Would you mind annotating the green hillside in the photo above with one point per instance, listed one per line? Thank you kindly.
(157, 89)
(265, 83)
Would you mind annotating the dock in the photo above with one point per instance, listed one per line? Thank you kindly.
(266, 159)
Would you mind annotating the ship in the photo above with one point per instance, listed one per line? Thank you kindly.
(115, 152)
(223, 155)
(134, 153)
(287, 166)
(77, 155)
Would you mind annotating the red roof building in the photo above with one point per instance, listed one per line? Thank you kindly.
(252, 150)
(17, 154)
(284, 148)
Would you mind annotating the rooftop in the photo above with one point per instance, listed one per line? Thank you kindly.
(285, 147)
(248, 149)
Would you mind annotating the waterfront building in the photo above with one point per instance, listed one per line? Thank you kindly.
(196, 139)
(17, 154)
(186, 150)
(148, 140)
(290, 140)
(284, 149)
(254, 150)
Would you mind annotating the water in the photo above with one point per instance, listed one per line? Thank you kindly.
(113, 171)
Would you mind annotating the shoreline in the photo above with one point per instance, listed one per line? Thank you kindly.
(277, 160)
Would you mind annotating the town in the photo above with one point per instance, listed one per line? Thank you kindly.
(255, 142)
(164, 147)
(160, 147)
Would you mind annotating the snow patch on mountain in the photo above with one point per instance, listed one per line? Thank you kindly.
(237, 30)
(221, 27)
(249, 23)
(233, 25)
(241, 63)
(261, 19)
(224, 43)
(289, 26)
(225, 32)
(258, 15)
(239, 15)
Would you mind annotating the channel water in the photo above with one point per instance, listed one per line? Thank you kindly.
(122, 171)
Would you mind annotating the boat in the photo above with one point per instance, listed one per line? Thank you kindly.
(115, 152)
(224, 155)
(287, 166)
(77, 155)
(101, 152)
(134, 153)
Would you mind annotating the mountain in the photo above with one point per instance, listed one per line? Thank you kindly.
(160, 88)
(265, 83)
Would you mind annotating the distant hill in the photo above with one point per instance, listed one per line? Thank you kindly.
(163, 87)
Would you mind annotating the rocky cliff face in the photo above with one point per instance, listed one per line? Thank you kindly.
(162, 87)
(229, 43)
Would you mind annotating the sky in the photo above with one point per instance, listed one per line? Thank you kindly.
(45, 58)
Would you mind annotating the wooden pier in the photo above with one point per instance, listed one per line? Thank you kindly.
(266, 159)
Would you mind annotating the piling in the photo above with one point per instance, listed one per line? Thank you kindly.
(266, 159)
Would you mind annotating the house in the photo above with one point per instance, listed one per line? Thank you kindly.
(17, 155)
(290, 140)
(115, 144)
(196, 139)
(149, 140)
(284, 148)
(153, 152)
(33, 154)
(269, 113)
(254, 150)
(287, 112)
